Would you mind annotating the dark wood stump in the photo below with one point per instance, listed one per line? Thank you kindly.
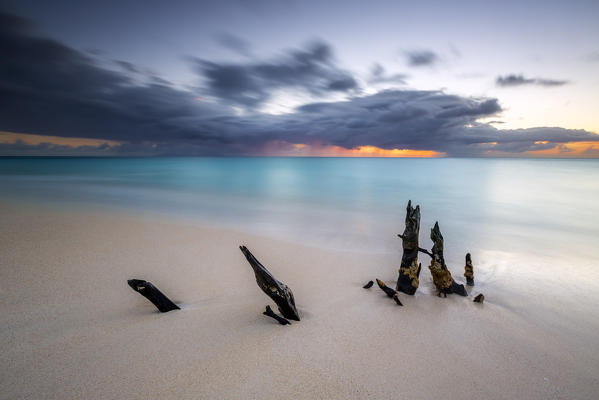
(394, 294)
(441, 275)
(480, 298)
(151, 292)
(368, 285)
(278, 291)
(469, 271)
(409, 270)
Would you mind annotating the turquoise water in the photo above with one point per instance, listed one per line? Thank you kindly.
(545, 206)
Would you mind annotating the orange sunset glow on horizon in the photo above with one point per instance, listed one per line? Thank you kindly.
(284, 149)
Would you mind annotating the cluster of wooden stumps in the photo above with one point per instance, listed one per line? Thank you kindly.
(407, 281)
(409, 270)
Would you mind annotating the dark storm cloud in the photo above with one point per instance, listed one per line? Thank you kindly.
(19, 148)
(311, 69)
(513, 80)
(479, 109)
(482, 137)
(421, 58)
(48, 88)
(423, 120)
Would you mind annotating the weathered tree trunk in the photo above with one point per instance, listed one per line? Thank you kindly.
(441, 275)
(394, 294)
(469, 271)
(409, 270)
(150, 292)
(278, 291)
(270, 313)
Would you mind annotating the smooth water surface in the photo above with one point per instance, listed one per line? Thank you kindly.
(517, 205)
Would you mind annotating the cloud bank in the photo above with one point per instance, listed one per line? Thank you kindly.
(311, 69)
(48, 88)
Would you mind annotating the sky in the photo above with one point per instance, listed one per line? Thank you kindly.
(300, 78)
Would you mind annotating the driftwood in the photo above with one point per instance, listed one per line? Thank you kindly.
(270, 313)
(480, 298)
(469, 271)
(150, 292)
(394, 294)
(441, 275)
(409, 270)
(278, 291)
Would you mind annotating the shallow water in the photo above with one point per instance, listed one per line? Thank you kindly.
(548, 207)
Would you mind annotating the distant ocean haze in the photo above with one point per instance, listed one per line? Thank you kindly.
(519, 206)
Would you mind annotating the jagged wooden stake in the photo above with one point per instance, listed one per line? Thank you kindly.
(150, 292)
(278, 291)
(479, 299)
(270, 313)
(409, 270)
(368, 285)
(441, 275)
(469, 271)
(390, 292)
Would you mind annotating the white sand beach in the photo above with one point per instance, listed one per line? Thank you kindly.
(71, 328)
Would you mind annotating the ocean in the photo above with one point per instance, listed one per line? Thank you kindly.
(537, 206)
